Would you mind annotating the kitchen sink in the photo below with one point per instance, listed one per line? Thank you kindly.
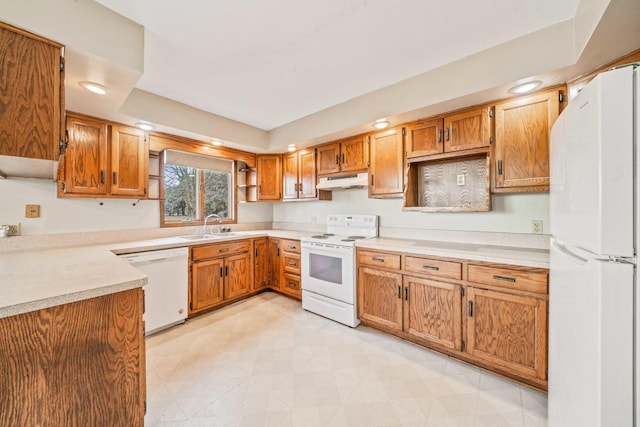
(208, 236)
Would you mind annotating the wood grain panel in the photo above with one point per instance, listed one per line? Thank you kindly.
(521, 278)
(386, 172)
(425, 138)
(328, 159)
(289, 176)
(261, 263)
(291, 263)
(78, 364)
(269, 177)
(274, 263)
(86, 156)
(206, 284)
(509, 331)
(219, 249)
(433, 267)
(31, 101)
(379, 298)
(129, 161)
(379, 259)
(354, 154)
(291, 285)
(307, 174)
(432, 311)
(467, 129)
(237, 276)
(290, 245)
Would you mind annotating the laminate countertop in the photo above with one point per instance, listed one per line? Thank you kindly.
(33, 280)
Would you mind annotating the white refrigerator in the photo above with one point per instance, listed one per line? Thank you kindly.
(593, 330)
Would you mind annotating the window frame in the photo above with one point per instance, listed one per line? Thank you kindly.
(200, 187)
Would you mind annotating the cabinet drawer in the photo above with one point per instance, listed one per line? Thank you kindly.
(291, 285)
(291, 263)
(524, 279)
(290, 245)
(379, 259)
(432, 267)
(221, 249)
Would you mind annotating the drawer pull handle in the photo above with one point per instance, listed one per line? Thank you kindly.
(470, 308)
(292, 285)
(377, 259)
(406, 293)
(292, 263)
(292, 246)
(431, 267)
(504, 278)
(221, 275)
(399, 292)
(223, 250)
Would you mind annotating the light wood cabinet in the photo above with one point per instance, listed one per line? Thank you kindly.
(425, 138)
(347, 155)
(104, 159)
(492, 315)
(386, 171)
(220, 273)
(290, 268)
(260, 263)
(269, 177)
(32, 100)
(299, 175)
(274, 263)
(80, 364)
(523, 127)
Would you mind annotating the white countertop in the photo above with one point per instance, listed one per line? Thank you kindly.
(500, 254)
(33, 280)
(40, 279)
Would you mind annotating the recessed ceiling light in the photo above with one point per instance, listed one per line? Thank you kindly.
(144, 126)
(381, 124)
(216, 143)
(525, 87)
(291, 147)
(93, 87)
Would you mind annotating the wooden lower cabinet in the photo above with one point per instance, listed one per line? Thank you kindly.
(219, 273)
(274, 263)
(379, 298)
(492, 315)
(509, 331)
(260, 263)
(76, 364)
(432, 311)
(290, 268)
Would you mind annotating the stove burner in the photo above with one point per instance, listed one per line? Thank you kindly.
(328, 234)
(348, 240)
(320, 236)
(356, 237)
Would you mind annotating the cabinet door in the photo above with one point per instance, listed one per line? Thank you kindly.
(329, 159)
(85, 160)
(206, 284)
(290, 176)
(129, 161)
(354, 155)
(386, 170)
(261, 264)
(522, 141)
(307, 174)
(466, 130)
(379, 298)
(425, 138)
(31, 105)
(433, 311)
(509, 331)
(269, 177)
(237, 281)
(274, 263)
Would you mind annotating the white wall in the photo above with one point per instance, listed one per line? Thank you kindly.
(76, 215)
(510, 213)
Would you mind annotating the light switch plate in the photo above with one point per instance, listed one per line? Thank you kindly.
(32, 211)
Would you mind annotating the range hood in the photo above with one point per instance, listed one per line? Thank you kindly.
(23, 167)
(343, 182)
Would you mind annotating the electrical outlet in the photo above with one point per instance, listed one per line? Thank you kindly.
(536, 226)
(314, 219)
(14, 230)
(461, 179)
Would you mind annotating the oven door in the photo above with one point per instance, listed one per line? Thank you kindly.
(329, 270)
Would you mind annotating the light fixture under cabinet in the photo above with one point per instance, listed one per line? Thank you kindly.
(93, 87)
(525, 87)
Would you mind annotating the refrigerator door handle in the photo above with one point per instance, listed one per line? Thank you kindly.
(562, 248)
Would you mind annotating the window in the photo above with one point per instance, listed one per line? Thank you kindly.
(196, 186)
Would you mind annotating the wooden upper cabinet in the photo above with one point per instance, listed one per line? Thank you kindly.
(299, 175)
(425, 138)
(31, 95)
(104, 159)
(269, 171)
(347, 155)
(467, 129)
(129, 161)
(85, 160)
(386, 172)
(523, 126)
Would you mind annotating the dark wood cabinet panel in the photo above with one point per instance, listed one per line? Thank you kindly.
(31, 95)
(386, 172)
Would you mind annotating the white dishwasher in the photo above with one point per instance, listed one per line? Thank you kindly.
(165, 294)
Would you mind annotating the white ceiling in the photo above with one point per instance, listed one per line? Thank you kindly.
(272, 62)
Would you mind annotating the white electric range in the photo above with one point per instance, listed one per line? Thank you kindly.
(329, 267)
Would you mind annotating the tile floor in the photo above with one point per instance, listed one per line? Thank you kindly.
(266, 362)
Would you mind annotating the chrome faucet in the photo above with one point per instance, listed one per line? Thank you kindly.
(216, 217)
